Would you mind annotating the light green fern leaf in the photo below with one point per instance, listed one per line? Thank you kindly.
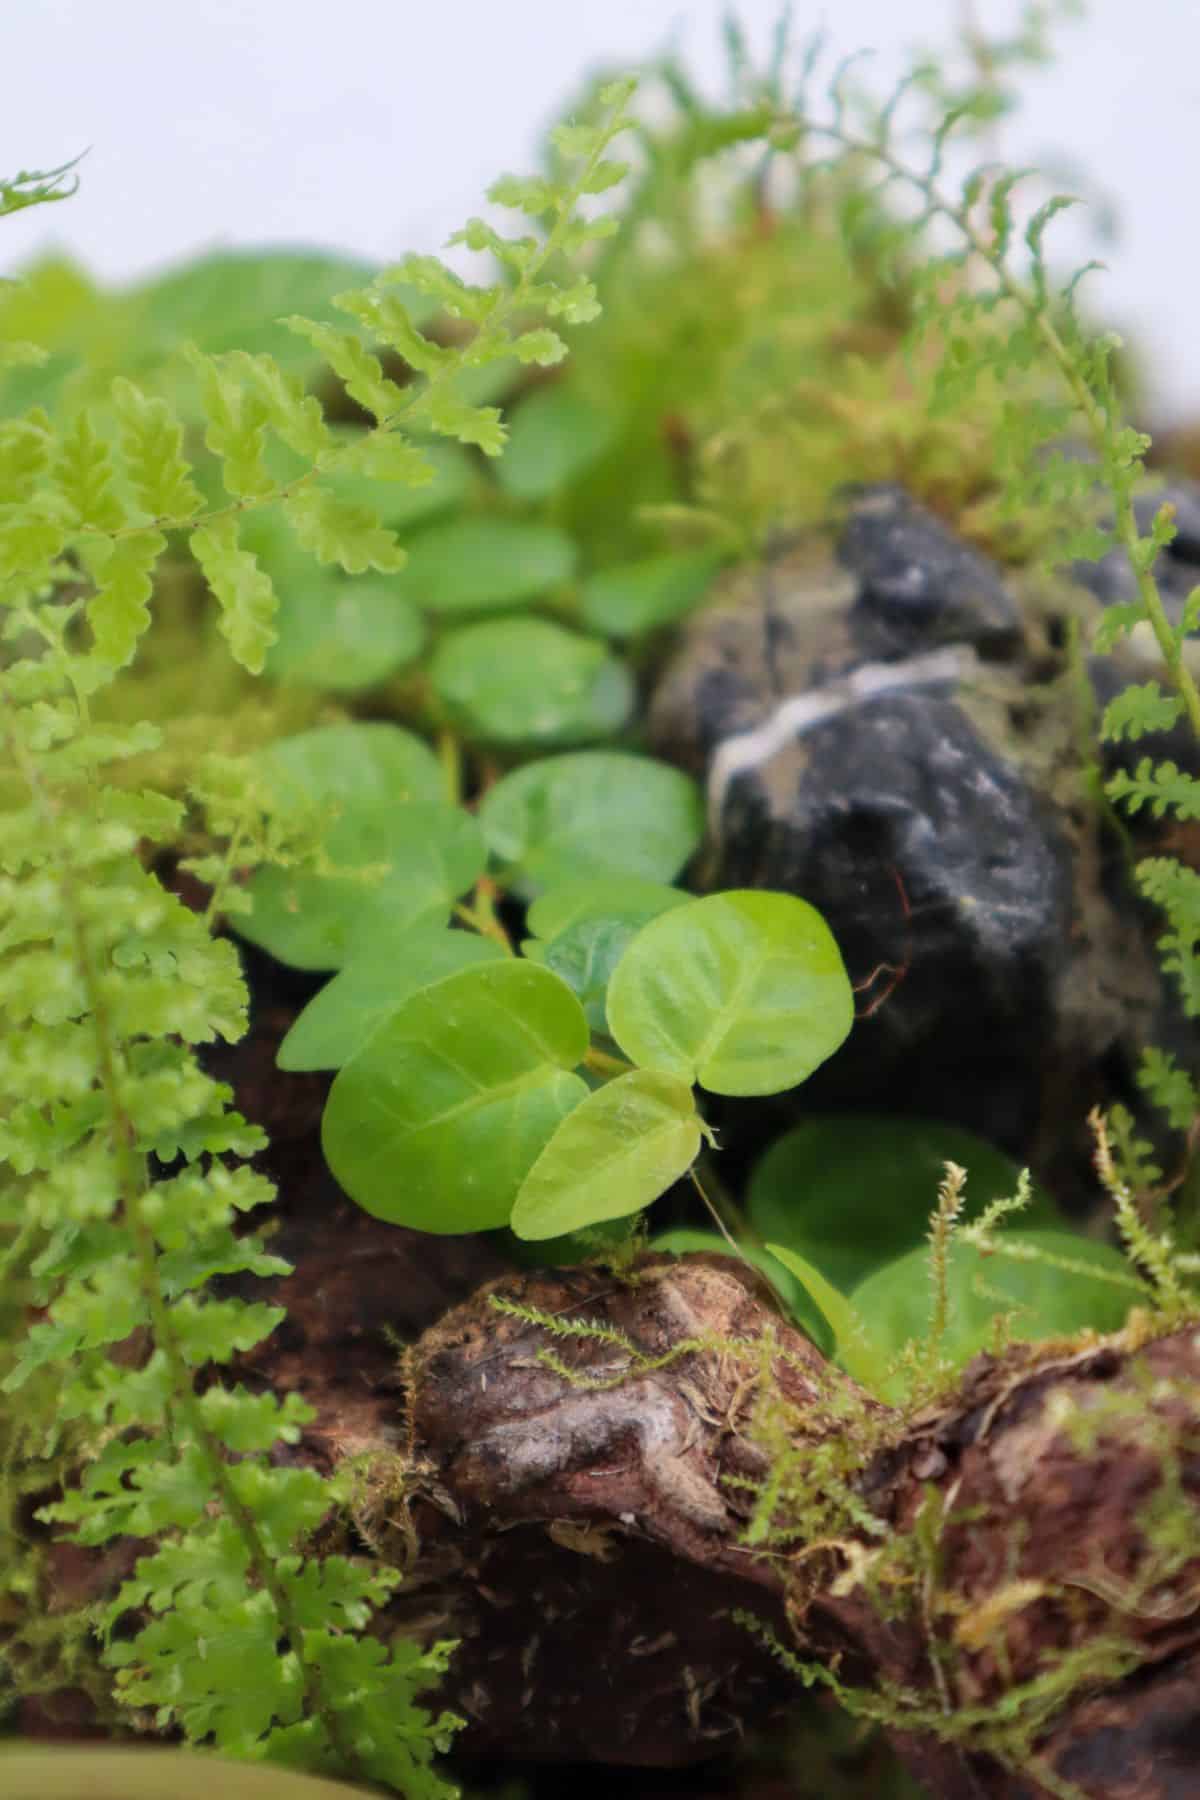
(152, 446)
(119, 611)
(360, 372)
(243, 591)
(342, 532)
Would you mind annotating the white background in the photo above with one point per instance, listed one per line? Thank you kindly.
(373, 126)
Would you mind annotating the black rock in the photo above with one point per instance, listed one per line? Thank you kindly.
(918, 583)
(865, 757)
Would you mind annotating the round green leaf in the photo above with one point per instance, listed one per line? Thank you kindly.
(893, 1305)
(744, 992)
(439, 1118)
(338, 1021)
(527, 681)
(553, 436)
(354, 767)
(594, 812)
(635, 597)
(600, 897)
(483, 564)
(848, 1192)
(426, 856)
(612, 1155)
(343, 635)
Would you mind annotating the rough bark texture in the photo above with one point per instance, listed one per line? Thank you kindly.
(580, 1528)
(581, 1534)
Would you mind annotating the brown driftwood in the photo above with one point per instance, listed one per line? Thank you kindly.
(582, 1536)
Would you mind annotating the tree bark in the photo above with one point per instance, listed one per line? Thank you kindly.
(1020, 1599)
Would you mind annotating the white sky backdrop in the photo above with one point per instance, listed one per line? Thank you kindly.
(243, 122)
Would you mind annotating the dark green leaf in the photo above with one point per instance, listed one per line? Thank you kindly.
(526, 681)
(850, 1192)
(360, 767)
(483, 564)
(1040, 1300)
(553, 436)
(585, 955)
(426, 856)
(343, 635)
(636, 597)
(596, 812)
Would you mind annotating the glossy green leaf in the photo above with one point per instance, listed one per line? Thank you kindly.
(339, 1020)
(359, 766)
(585, 955)
(553, 436)
(894, 1304)
(426, 856)
(527, 681)
(600, 897)
(483, 564)
(594, 812)
(343, 635)
(615, 1153)
(437, 1121)
(635, 597)
(800, 1307)
(848, 1192)
(743, 992)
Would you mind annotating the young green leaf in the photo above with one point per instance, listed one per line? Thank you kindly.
(585, 955)
(600, 897)
(743, 992)
(612, 1155)
(363, 766)
(439, 1118)
(527, 681)
(484, 564)
(404, 867)
(376, 982)
(553, 436)
(625, 601)
(595, 812)
(343, 635)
